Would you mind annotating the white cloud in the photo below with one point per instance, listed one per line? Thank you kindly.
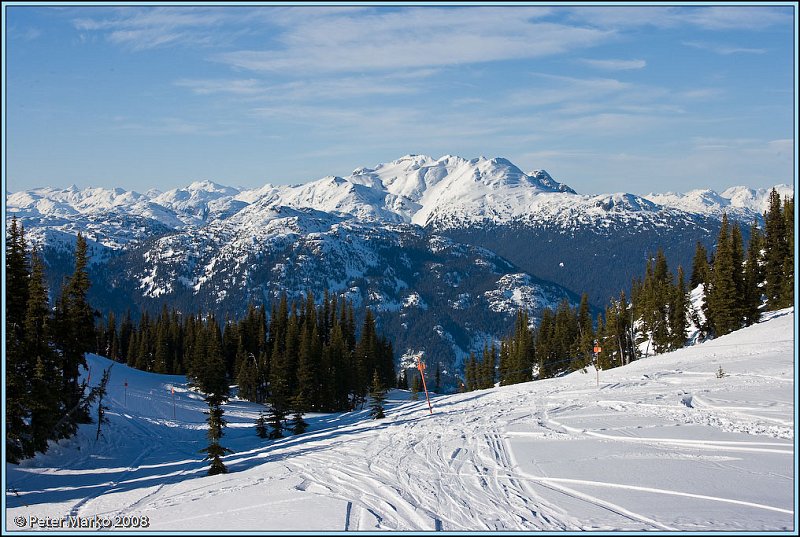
(704, 17)
(414, 38)
(615, 65)
(723, 49)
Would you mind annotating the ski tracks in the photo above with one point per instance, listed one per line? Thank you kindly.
(434, 472)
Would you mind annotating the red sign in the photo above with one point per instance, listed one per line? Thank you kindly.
(598, 349)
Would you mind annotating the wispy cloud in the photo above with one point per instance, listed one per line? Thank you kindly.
(299, 90)
(413, 38)
(704, 17)
(28, 33)
(723, 49)
(174, 126)
(615, 65)
(148, 28)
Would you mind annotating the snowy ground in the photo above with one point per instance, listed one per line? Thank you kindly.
(661, 444)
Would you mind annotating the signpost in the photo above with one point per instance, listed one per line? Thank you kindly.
(173, 402)
(126, 393)
(421, 367)
(597, 350)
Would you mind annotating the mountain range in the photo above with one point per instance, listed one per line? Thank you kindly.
(444, 250)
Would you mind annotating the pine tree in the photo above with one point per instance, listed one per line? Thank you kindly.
(722, 299)
(788, 261)
(277, 415)
(297, 424)
(415, 386)
(677, 313)
(74, 336)
(45, 394)
(261, 425)
(585, 342)
(700, 270)
(776, 253)
(215, 385)
(377, 394)
(101, 408)
(737, 254)
(18, 372)
(753, 277)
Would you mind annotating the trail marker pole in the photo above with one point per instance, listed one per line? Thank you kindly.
(126, 393)
(173, 402)
(421, 367)
(597, 350)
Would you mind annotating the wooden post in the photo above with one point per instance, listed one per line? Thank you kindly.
(421, 367)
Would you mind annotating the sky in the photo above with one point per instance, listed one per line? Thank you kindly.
(640, 99)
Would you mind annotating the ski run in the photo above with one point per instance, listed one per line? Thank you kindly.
(701, 439)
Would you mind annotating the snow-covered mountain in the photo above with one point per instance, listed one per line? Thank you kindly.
(739, 202)
(663, 444)
(446, 192)
(471, 238)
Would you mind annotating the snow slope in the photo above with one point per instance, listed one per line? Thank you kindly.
(660, 444)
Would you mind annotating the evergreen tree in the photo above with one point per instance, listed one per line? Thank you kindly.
(402, 381)
(585, 342)
(722, 299)
(277, 414)
(101, 408)
(788, 261)
(776, 254)
(415, 386)
(18, 374)
(261, 425)
(488, 365)
(297, 424)
(700, 270)
(45, 387)
(677, 313)
(377, 394)
(74, 336)
(753, 277)
(737, 254)
(215, 385)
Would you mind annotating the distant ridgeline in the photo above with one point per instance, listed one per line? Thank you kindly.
(735, 285)
(309, 356)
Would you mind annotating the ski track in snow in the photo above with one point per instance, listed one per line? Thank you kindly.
(661, 444)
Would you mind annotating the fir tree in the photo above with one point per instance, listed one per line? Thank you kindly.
(18, 371)
(415, 386)
(261, 425)
(277, 415)
(377, 395)
(214, 383)
(753, 277)
(776, 253)
(788, 261)
(700, 268)
(722, 299)
(74, 336)
(677, 313)
(101, 408)
(585, 342)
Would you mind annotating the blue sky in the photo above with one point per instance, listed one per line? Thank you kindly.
(628, 98)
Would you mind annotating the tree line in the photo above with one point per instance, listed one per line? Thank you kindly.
(738, 284)
(302, 355)
(45, 349)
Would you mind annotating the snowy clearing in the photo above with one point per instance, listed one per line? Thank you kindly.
(661, 444)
